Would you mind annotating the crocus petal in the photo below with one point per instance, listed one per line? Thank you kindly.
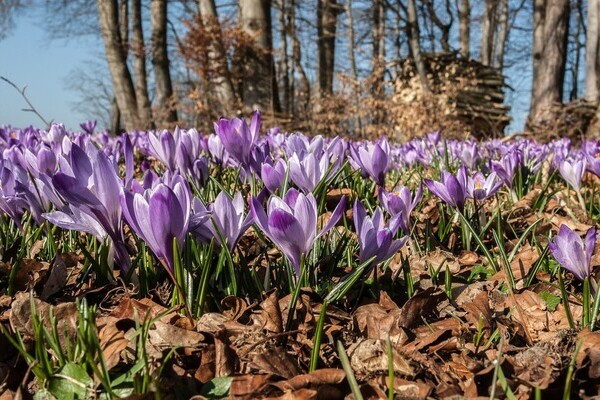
(590, 243)
(282, 227)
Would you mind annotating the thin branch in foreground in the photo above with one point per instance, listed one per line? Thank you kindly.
(31, 106)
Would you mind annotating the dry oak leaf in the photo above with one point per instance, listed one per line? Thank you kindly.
(368, 357)
(324, 376)
(164, 335)
(378, 321)
(64, 313)
(112, 341)
(247, 387)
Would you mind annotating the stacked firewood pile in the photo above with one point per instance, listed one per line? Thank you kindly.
(466, 99)
(570, 120)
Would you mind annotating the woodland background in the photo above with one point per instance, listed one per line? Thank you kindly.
(399, 68)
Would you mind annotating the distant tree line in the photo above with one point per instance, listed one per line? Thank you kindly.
(302, 62)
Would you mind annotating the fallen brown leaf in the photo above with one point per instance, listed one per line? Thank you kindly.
(369, 357)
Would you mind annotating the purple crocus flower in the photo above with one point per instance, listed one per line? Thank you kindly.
(480, 188)
(309, 171)
(572, 253)
(158, 215)
(372, 159)
(452, 189)
(300, 144)
(91, 187)
(375, 237)
(291, 223)
(88, 126)
(238, 138)
(188, 158)
(572, 172)
(273, 176)
(162, 146)
(400, 202)
(217, 151)
(506, 168)
(468, 153)
(227, 221)
(592, 155)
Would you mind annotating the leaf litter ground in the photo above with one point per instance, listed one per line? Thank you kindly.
(475, 338)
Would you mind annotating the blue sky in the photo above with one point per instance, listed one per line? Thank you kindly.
(30, 59)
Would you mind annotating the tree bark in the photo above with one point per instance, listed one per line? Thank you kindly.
(351, 40)
(303, 92)
(108, 16)
(378, 56)
(284, 62)
(326, 27)
(219, 74)
(440, 24)
(167, 114)
(550, 69)
(260, 91)
(139, 66)
(464, 16)
(539, 12)
(415, 46)
(502, 34)
(592, 53)
(488, 31)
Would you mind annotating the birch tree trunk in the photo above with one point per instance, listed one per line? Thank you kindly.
(550, 70)
(139, 66)
(220, 75)
(108, 16)
(167, 114)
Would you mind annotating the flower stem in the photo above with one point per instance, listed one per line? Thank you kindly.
(296, 294)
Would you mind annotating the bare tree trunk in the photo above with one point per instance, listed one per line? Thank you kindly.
(353, 68)
(139, 66)
(539, 13)
(502, 34)
(285, 70)
(464, 16)
(108, 16)
(592, 53)
(415, 46)
(578, 47)
(115, 118)
(304, 84)
(378, 56)
(160, 62)
(488, 31)
(217, 59)
(549, 77)
(441, 25)
(326, 27)
(259, 92)
(351, 40)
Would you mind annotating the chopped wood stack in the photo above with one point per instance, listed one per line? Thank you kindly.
(570, 120)
(467, 98)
